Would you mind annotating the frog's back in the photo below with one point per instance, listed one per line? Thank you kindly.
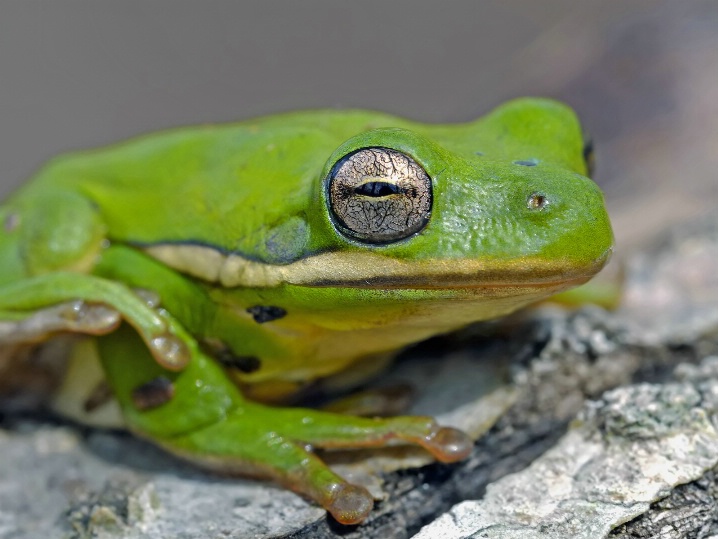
(217, 185)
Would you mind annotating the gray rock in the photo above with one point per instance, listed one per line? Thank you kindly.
(624, 452)
(58, 481)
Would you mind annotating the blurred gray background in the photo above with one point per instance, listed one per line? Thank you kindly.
(642, 74)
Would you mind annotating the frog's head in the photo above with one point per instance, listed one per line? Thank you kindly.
(503, 201)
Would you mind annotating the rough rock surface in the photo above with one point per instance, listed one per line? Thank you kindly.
(624, 452)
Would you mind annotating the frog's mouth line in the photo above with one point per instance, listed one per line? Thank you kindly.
(371, 270)
(454, 282)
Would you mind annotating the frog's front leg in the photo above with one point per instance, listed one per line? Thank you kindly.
(199, 414)
(35, 307)
(50, 245)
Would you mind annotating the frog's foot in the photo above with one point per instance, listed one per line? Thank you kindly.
(200, 414)
(270, 442)
(33, 309)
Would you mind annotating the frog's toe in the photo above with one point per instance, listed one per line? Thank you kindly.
(448, 444)
(326, 430)
(350, 504)
(302, 471)
(74, 316)
(170, 351)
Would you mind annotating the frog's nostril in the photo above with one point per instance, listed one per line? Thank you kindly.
(537, 201)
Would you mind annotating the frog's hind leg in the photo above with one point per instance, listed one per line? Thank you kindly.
(199, 414)
(277, 442)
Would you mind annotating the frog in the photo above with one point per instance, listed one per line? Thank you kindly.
(208, 274)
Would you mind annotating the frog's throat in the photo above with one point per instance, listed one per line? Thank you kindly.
(371, 270)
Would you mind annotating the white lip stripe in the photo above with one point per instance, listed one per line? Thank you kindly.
(370, 269)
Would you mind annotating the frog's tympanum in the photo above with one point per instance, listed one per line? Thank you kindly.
(215, 271)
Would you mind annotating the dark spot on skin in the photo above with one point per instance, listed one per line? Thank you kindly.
(244, 364)
(589, 157)
(11, 222)
(152, 394)
(266, 313)
(478, 153)
(527, 163)
(102, 394)
(227, 358)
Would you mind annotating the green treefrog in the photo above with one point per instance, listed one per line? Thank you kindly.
(215, 271)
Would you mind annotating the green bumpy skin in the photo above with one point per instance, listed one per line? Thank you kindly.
(269, 273)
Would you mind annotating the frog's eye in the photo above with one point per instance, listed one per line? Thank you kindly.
(378, 195)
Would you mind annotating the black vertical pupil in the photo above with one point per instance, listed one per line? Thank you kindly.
(377, 189)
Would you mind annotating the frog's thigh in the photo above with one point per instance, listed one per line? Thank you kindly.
(64, 301)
